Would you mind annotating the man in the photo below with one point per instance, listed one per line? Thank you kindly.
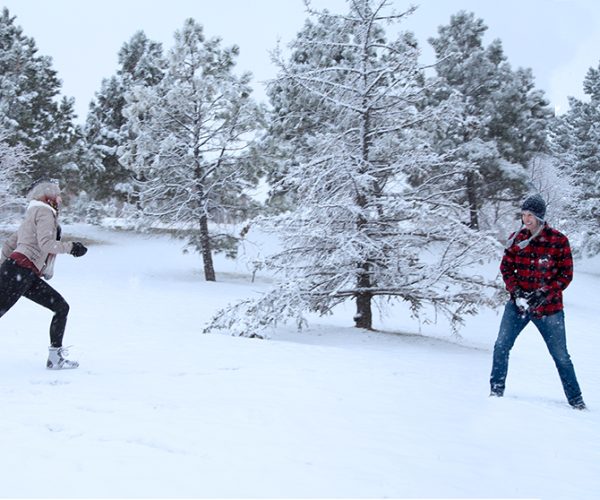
(537, 266)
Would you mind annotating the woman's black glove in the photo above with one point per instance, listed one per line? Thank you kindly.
(78, 249)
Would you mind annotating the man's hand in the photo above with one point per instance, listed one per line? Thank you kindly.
(536, 298)
(521, 300)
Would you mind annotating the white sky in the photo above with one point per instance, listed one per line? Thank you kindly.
(557, 39)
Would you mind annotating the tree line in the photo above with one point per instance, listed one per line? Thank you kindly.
(386, 180)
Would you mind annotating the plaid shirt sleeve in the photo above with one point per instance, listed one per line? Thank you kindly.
(563, 271)
(508, 270)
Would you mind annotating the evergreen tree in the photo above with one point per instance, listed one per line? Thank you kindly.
(14, 162)
(297, 113)
(31, 113)
(141, 63)
(191, 131)
(575, 139)
(498, 120)
(363, 230)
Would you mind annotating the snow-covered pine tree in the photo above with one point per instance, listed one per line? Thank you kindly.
(498, 120)
(363, 229)
(297, 113)
(13, 168)
(31, 113)
(575, 140)
(192, 130)
(141, 62)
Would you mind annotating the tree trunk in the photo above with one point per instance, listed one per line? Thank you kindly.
(472, 200)
(364, 316)
(209, 268)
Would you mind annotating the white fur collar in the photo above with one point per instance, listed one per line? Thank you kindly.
(37, 203)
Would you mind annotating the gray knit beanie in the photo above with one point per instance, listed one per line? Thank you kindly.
(536, 205)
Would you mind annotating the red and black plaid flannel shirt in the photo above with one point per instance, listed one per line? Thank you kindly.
(546, 264)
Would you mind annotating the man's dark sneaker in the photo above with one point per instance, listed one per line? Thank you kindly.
(578, 404)
(496, 392)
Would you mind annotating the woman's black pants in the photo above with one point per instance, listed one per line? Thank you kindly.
(17, 282)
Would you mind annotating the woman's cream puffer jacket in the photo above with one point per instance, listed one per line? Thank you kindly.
(36, 238)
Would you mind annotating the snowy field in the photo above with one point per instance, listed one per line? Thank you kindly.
(157, 409)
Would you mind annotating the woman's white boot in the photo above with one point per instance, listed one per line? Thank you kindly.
(57, 359)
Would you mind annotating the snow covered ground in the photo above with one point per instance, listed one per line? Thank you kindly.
(158, 409)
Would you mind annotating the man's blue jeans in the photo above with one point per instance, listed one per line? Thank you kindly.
(553, 332)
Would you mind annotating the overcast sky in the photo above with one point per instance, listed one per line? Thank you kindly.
(558, 39)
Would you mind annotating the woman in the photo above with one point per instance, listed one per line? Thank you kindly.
(28, 256)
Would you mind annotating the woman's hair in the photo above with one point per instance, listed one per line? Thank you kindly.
(44, 190)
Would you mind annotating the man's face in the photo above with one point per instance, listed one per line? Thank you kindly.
(531, 221)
